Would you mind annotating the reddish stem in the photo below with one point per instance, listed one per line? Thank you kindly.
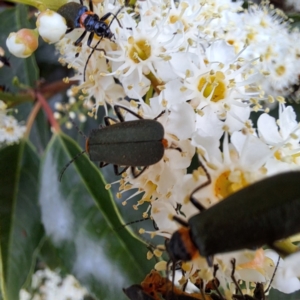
(31, 118)
(42, 100)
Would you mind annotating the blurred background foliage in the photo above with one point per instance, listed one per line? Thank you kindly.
(80, 208)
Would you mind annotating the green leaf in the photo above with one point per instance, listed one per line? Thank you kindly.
(25, 69)
(276, 295)
(40, 134)
(81, 219)
(20, 225)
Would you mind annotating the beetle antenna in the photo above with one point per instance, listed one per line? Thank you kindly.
(169, 262)
(194, 201)
(67, 165)
(132, 222)
(89, 57)
(273, 275)
(77, 128)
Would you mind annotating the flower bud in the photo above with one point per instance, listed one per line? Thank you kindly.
(51, 26)
(22, 43)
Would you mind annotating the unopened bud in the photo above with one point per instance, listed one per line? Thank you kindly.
(51, 26)
(22, 43)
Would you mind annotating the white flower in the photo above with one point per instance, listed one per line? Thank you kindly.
(288, 125)
(283, 135)
(10, 131)
(220, 81)
(260, 28)
(286, 277)
(51, 26)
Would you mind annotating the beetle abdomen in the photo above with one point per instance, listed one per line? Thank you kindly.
(130, 131)
(128, 154)
(256, 215)
(72, 12)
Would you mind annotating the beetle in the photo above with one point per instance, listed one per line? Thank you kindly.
(137, 143)
(154, 286)
(259, 214)
(78, 16)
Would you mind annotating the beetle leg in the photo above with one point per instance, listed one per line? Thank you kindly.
(118, 108)
(69, 30)
(173, 280)
(185, 284)
(233, 278)
(107, 120)
(214, 282)
(76, 43)
(197, 204)
(180, 221)
(117, 172)
(90, 39)
(106, 16)
(159, 115)
(178, 209)
(155, 225)
(91, 5)
(137, 174)
(103, 164)
(259, 292)
(202, 292)
(89, 42)
(209, 260)
(103, 18)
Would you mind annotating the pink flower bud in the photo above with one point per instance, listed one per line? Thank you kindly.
(22, 43)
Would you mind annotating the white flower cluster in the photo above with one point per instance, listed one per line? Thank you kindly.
(261, 28)
(49, 285)
(10, 130)
(208, 64)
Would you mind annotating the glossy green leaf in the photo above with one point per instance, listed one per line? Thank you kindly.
(26, 70)
(20, 225)
(276, 295)
(82, 222)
